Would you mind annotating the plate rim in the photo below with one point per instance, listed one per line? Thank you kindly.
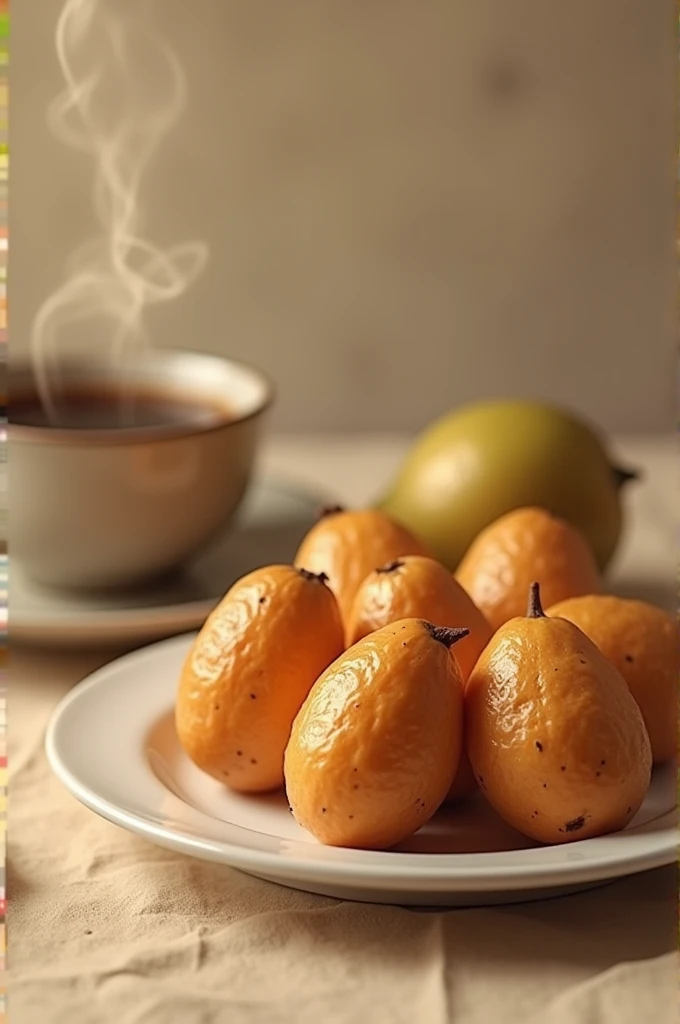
(331, 865)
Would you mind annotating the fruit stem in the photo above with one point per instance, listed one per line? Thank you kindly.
(330, 510)
(320, 577)
(624, 476)
(392, 567)
(535, 608)
(446, 635)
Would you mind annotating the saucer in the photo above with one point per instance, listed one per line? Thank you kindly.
(267, 529)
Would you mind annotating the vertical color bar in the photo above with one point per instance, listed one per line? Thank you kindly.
(4, 175)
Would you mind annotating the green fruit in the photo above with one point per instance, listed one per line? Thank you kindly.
(486, 459)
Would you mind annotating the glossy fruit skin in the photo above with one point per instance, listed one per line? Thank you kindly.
(248, 672)
(642, 642)
(348, 545)
(374, 748)
(525, 545)
(416, 586)
(557, 742)
(485, 459)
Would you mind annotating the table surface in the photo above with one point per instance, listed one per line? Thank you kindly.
(105, 927)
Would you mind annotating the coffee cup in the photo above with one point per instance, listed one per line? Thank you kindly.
(129, 470)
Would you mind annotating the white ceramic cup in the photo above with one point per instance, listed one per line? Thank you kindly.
(102, 508)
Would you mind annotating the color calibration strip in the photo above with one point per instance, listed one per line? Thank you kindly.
(4, 181)
(4, 163)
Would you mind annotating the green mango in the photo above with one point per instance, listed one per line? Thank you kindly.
(485, 459)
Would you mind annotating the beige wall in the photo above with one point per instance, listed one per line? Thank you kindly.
(408, 203)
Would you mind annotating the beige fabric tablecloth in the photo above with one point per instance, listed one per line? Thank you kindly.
(104, 927)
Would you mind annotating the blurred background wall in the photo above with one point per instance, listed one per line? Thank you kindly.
(408, 204)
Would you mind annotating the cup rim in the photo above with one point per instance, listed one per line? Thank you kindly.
(114, 436)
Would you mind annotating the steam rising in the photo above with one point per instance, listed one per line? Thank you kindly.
(124, 90)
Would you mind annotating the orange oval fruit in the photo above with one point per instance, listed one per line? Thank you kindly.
(249, 670)
(642, 642)
(556, 740)
(347, 545)
(374, 747)
(526, 545)
(415, 586)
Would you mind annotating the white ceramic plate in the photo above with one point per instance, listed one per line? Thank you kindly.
(112, 743)
(267, 529)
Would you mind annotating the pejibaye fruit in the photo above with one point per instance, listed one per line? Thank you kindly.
(375, 746)
(249, 670)
(642, 642)
(415, 586)
(347, 545)
(521, 546)
(556, 740)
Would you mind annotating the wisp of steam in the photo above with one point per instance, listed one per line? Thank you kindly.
(124, 90)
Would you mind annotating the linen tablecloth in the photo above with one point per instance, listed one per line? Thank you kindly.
(104, 927)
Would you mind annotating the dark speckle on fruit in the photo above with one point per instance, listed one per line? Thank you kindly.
(539, 747)
(575, 824)
(629, 657)
(563, 767)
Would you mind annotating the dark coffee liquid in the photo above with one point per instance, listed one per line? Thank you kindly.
(101, 409)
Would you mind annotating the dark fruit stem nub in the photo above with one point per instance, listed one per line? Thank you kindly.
(534, 607)
(330, 510)
(392, 567)
(320, 577)
(446, 635)
(623, 476)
